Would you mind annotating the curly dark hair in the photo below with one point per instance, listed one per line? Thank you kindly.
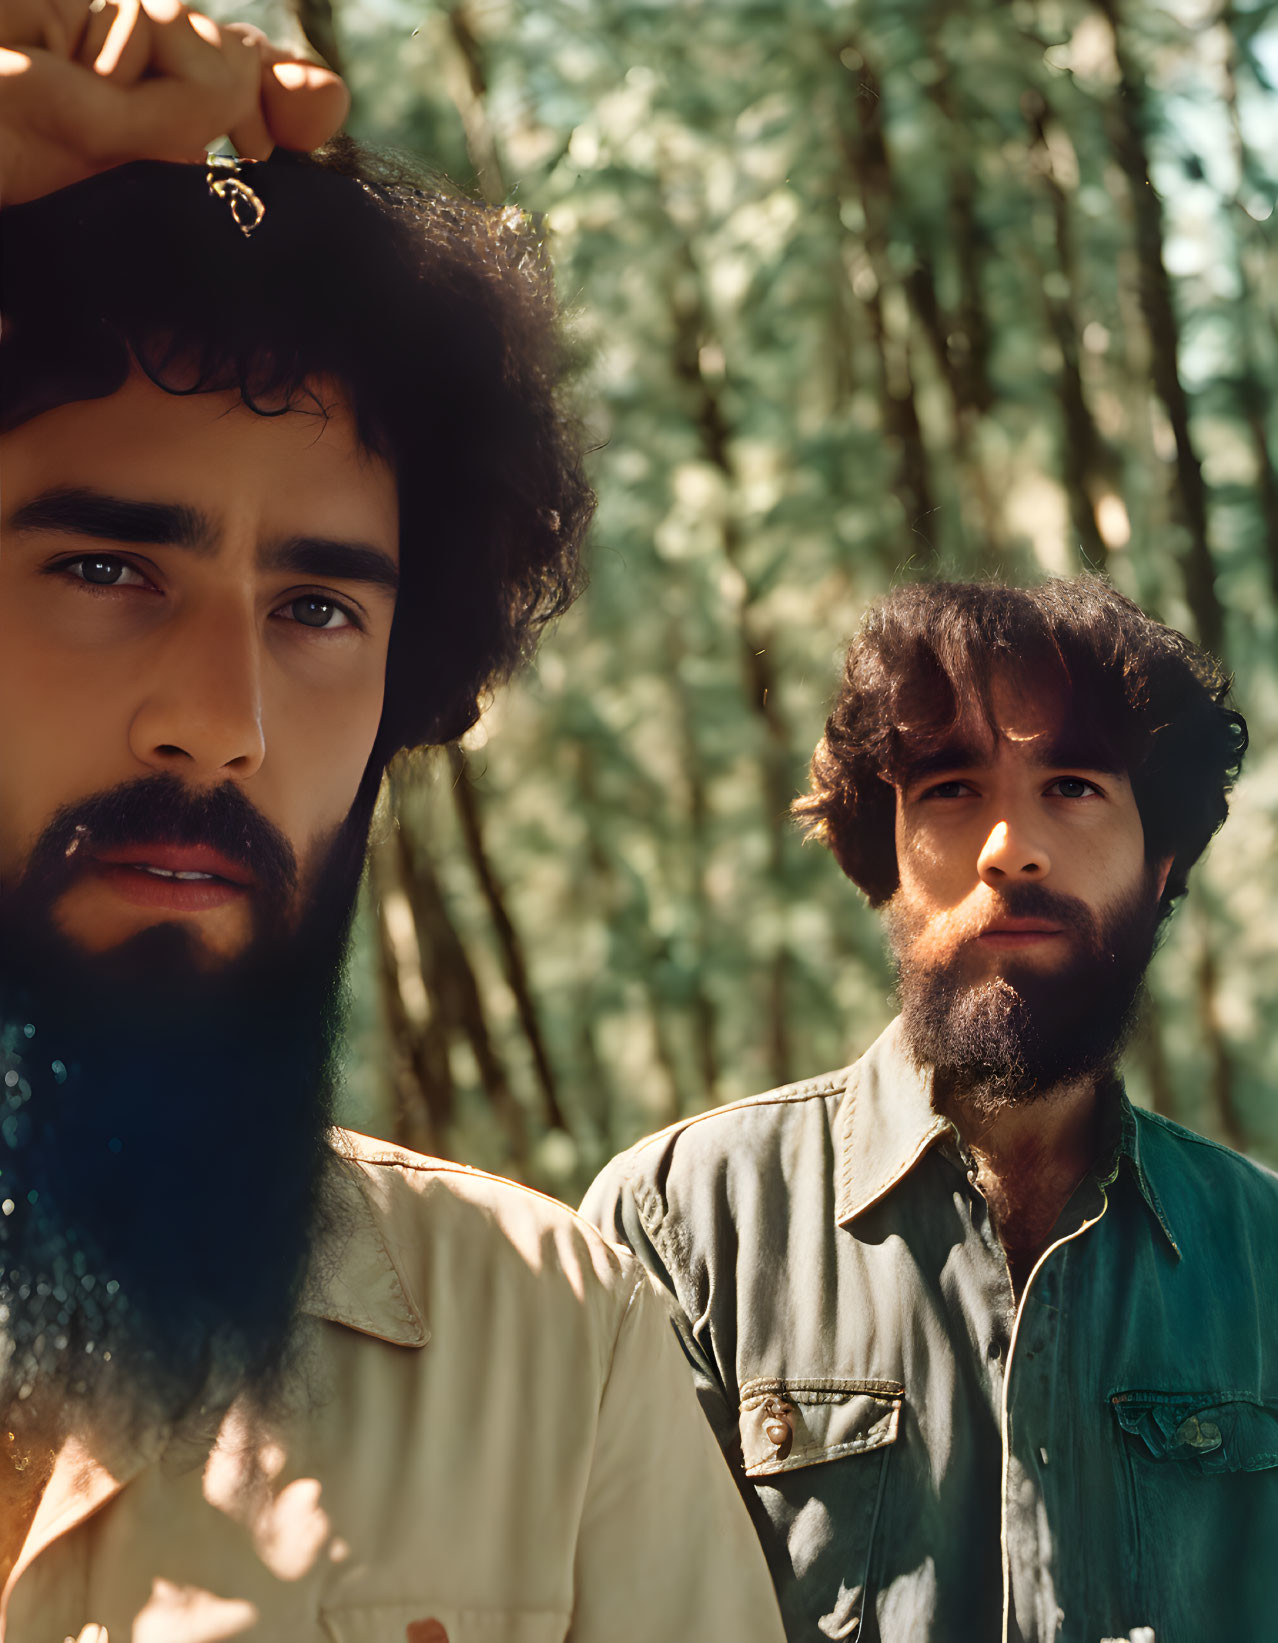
(435, 316)
(1140, 698)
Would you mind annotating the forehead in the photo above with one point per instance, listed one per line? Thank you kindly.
(304, 467)
(1041, 720)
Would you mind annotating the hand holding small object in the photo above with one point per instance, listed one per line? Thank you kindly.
(90, 84)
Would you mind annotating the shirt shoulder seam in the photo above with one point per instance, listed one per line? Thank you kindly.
(1181, 1133)
(421, 1164)
(786, 1095)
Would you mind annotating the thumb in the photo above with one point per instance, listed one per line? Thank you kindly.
(304, 104)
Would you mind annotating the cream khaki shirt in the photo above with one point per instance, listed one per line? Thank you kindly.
(490, 1438)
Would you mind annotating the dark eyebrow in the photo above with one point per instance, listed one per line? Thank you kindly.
(1071, 747)
(78, 511)
(331, 561)
(951, 756)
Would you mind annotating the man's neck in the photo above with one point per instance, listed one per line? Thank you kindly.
(1029, 1159)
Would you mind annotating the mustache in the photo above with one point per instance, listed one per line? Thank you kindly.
(1037, 901)
(160, 809)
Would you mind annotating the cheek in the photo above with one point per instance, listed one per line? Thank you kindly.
(58, 741)
(1108, 863)
(318, 746)
(929, 866)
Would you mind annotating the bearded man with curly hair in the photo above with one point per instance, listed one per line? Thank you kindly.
(288, 486)
(993, 1352)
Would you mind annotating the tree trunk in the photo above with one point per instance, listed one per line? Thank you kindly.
(451, 979)
(1127, 120)
(1089, 467)
(467, 82)
(421, 1076)
(319, 25)
(511, 948)
(691, 328)
(868, 172)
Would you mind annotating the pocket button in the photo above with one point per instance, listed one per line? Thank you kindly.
(1201, 1435)
(426, 1631)
(778, 1428)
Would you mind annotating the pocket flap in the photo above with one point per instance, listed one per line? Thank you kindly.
(1212, 1431)
(790, 1423)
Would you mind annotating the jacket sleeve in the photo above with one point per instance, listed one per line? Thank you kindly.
(666, 1549)
(611, 1205)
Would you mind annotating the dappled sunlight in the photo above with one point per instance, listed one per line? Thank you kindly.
(288, 1525)
(176, 1611)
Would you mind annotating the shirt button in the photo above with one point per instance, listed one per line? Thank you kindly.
(426, 1631)
(995, 1350)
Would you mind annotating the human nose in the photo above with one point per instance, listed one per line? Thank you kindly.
(202, 714)
(1011, 852)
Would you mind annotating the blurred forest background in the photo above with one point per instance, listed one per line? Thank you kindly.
(862, 291)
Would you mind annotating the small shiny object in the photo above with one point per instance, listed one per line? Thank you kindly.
(1198, 1434)
(225, 183)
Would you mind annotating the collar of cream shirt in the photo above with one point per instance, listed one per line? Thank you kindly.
(886, 1123)
(354, 1277)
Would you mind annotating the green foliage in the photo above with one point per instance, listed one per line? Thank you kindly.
(863, 290)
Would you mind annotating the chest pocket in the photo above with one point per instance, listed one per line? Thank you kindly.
(817, 1451)
(1203, 1431)
(426, 1623)
(1203, 1471)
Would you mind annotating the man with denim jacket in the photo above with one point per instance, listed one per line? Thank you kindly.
(993, 1353)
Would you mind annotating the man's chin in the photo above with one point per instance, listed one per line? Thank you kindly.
(94, 921)
(1023, 1033)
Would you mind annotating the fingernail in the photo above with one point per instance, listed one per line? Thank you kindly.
(292, 76)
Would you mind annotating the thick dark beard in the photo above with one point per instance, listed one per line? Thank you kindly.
(1023, 1034)
(162, 1151)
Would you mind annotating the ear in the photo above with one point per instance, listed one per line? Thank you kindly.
(1161, 871)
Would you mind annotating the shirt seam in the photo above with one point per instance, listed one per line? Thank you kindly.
(640, 1280)
(443, 1166)
(1180, 1133)
(786, 1096)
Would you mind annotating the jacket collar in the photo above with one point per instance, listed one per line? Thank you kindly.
(354, 1277)
(887, 1123)
(1129, 1151)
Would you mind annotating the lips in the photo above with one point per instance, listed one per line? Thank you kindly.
(175, 878)
(1019, 932)
(184, 863)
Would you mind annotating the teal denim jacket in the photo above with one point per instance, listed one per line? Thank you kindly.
(923, 1459)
